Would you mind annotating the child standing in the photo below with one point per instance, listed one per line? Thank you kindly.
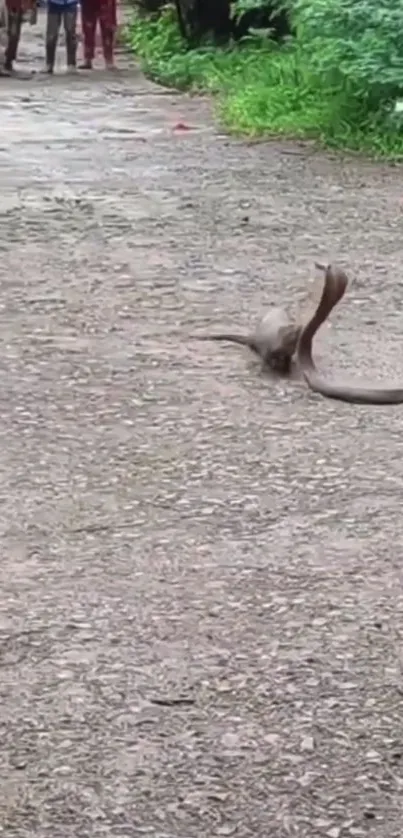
(103, 11)
(58, 11)
(13, 15)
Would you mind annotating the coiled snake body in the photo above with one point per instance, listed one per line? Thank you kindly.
(333, 290)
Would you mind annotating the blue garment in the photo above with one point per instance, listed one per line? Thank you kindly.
(58, 5)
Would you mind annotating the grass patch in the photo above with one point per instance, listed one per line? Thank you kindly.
(262, 89)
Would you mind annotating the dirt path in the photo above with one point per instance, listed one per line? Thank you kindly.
(173, 526)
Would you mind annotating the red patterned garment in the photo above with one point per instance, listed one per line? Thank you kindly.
(20, 6)
(103, 11)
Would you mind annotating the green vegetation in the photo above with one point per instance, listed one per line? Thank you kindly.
(337, 81)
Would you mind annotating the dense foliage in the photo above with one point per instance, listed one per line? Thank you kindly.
(338, 77)
(357, 44)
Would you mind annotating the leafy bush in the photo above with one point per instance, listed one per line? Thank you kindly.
(334, 81)
(356, 45)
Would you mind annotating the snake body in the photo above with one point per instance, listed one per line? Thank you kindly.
(335, 285)
(277, 340)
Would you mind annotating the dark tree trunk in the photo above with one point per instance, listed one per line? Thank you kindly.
(201, 18)
(268, 16)
(204, 18)
(150, 6)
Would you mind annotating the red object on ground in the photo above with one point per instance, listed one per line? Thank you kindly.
(181, 126)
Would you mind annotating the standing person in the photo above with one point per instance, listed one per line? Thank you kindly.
(3, 35)
(58, 11)
(103, 11)
(16, 11)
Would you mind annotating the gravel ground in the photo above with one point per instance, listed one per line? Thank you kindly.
(201, 586)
